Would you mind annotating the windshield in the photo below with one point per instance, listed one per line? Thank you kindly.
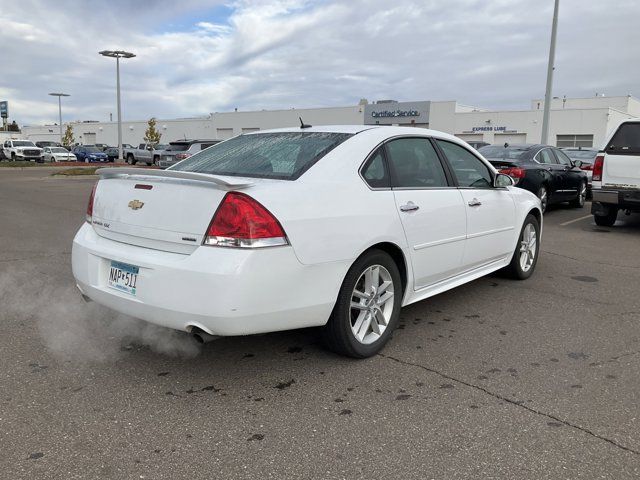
(284, 156)
(92, 149)
(58, 150)
(177, 147)
(498, 151)
(23, 144)
(584, 155)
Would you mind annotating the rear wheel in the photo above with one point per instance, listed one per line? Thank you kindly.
(607, 220)
(525, 256)
(131, 159)
(368, 307)
(543, 195)
(578, 202)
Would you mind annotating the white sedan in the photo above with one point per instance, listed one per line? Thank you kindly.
(334, 226)
(58, 154)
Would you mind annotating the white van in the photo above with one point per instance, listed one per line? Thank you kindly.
(616, 174)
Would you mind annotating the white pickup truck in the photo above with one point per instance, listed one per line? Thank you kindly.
(144, 153)
(22, 150)
(616, 174)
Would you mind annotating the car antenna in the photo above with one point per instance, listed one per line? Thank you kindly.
(302, 124)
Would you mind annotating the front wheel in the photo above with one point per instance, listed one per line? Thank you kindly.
(368, 307)
(578, 202)
(543, 195)
(525, 256)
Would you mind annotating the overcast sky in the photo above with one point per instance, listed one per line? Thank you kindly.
(195, 57)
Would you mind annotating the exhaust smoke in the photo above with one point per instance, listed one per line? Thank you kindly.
(72, 329)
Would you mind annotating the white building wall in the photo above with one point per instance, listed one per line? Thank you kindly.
(216, 126)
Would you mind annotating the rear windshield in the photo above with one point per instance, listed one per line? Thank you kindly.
(626, 139)
(177, 147)
(284, 155)
(498, 151)
(92, 149)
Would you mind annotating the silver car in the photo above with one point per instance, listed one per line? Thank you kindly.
(181, 149)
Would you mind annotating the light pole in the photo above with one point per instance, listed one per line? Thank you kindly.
(60, 95)
(550, 67)
(118, 54)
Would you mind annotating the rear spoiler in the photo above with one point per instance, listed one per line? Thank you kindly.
(223, 183)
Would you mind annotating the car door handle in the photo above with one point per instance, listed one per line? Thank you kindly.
(475, 203)
(409, 207)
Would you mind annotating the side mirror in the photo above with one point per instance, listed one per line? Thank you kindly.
(503, 181)
(576, 163)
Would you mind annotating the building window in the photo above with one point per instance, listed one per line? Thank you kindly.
(574, 141)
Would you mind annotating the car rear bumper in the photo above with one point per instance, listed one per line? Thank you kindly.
(628, 199)
(223, 291)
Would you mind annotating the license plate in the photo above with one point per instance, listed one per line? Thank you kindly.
(123, 277)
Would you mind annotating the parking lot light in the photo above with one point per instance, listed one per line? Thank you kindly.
(60, 95)
(118, 54)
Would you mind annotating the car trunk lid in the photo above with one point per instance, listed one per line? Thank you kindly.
(163, 210)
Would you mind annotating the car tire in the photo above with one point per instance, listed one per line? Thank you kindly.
(543, 195)
(13, 156)
(578, 202)
(607, 220)
(131, 159)
(525, 255)
(362, 321)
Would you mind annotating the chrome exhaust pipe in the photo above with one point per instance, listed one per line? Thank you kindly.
(82, 294)
(201, 336)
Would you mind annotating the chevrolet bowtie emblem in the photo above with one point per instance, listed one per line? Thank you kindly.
(136, 204)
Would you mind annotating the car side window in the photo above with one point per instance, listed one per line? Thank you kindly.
(470, 171)
(375, 171)
(414, 163)
(545, 156)
(562, 157)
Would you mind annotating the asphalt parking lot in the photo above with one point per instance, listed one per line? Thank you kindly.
(495, 379)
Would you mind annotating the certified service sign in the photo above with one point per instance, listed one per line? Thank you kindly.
(4, 109)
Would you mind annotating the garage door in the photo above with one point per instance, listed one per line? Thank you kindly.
(472, 137)
(510, 138)
(224, 133)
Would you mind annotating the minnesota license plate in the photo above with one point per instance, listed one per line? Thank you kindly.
(123, 277)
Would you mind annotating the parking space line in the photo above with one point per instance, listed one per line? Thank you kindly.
(575, 220)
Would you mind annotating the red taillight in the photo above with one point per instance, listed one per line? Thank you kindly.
(90, 204)
(182, 156)
(514, 172)
(597, 168)
(241, 221)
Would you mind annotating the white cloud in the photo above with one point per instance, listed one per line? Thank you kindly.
(196, 57)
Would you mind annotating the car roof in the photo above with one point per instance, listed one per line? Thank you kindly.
(178, 142)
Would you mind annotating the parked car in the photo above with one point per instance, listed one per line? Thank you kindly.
(181, 149)
(112, 152)
(145, 152)
(337, 227)
(58, 154)
(584, 159)
(616, 174)
(102, 146)
(20, 150)
(89, 154)
(47, 144)
(543, 170)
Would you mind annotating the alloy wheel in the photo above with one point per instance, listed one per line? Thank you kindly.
(372, 304)
(544, 198)
(528, 245)
(582, 195)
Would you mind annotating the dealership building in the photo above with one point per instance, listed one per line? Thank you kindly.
(573, 122)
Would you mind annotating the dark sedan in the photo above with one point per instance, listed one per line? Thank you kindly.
(544, 170)
(89, 154)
